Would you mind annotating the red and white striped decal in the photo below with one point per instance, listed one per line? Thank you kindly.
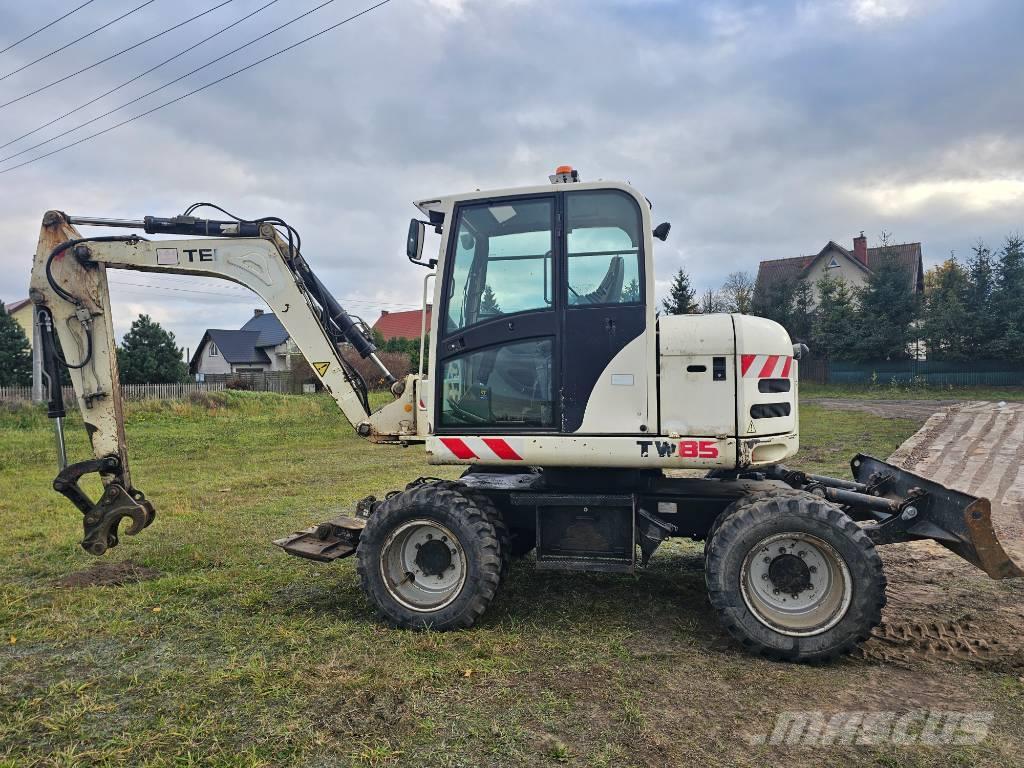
(765, 366)
(486, 448)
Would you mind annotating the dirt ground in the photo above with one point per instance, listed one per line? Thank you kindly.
(939, 606)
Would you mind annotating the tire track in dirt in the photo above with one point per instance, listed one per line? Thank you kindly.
(958, 444)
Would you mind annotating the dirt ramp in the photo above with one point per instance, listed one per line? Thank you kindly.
(940, 607)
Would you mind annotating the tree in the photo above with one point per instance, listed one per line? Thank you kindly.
(801, 320)
(773, 299)
(710, 303)
(738, 293)
(982, 327)
(947, 318)
(148, 355)
(888, 308)
(15, 353)
(681, 296)
(1007, 306)
(489, 303)
(631, 293)
(835, 320)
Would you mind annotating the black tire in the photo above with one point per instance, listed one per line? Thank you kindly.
(746, 501)
(490, 510)
(749, 527)
(475, 534)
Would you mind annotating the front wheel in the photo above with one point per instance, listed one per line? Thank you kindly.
(794, 578)
(429, 557)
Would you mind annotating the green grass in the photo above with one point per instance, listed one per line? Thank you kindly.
(909, 392)
(241, 656)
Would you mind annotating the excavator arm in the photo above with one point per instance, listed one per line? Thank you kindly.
(73, 310)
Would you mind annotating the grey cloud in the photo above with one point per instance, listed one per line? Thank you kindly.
(759, 130)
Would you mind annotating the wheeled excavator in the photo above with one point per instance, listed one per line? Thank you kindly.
(569, 401)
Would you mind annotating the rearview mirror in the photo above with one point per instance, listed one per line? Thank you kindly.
(414, 243)
(661, 231)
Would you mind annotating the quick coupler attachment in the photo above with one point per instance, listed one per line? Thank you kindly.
(101, 519)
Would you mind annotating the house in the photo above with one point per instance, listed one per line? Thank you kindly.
(853, 266)
(21, 311)
(262, 344)
(401, 325)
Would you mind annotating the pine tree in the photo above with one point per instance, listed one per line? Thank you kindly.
(801, 320)
(982, 325)
(835, 320)
(946, 320)
(774, 300)
(1007, 304)
(631, 293)
(148, 355)
(681, 296)
(15, 353)
(489, 303)
(888, 308)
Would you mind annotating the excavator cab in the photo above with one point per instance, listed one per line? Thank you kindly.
(543, 307)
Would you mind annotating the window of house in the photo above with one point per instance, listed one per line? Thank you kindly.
(213, 350)
(833, 264)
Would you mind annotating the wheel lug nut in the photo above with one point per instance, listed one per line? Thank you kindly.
(813, 569)
(775, 591)
(801, 553)
(782, 550)
(764, 577)
(767, 559)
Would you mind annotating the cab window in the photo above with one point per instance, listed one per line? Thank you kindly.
(502, 262)
(603, 232)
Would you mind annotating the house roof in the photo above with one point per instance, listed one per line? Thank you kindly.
(401, 325)
(247, 344)
(908, 255)
(14, 306)
(271, 332)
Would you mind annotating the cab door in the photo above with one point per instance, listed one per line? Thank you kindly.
(605, 354)
(499, 347)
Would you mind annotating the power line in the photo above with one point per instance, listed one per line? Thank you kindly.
(323, 31)
(78, 40)
(140, 75)
(115, 55)
(162, 87)
(45, 26)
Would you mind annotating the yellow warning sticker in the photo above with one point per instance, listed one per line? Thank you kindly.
(321, 368)
(750, 428)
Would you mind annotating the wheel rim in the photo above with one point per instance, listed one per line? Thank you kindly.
(423, 565)
(796, 584)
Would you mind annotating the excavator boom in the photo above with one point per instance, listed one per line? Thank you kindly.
(72, 305)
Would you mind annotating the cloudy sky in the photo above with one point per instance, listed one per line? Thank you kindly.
(760, 130)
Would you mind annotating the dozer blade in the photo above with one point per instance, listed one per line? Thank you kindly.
(928, 510)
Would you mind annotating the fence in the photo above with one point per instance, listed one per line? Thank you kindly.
(932, 373)
(282, 382)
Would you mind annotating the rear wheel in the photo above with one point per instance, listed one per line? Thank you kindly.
(429, 557)
(794, 578)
